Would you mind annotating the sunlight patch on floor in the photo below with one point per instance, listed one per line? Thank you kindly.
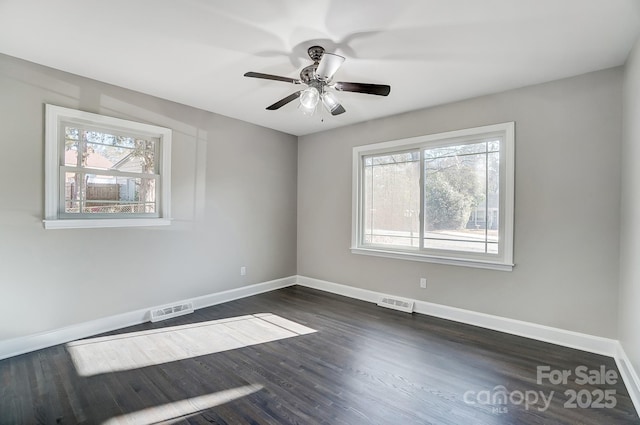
(177, 411)
(147, 348)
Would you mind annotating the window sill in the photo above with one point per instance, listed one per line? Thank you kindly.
(480, 264)
(101, 223)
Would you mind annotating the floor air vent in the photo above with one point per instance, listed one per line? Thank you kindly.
(162, 313)
(397, 304)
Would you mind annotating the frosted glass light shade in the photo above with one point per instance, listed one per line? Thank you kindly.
(309, 98)
(329, 101)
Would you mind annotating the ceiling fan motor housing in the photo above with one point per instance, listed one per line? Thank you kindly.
(315, 53)
(308, 73)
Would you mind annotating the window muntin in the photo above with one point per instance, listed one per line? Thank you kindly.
(443, 198)
(105, 172)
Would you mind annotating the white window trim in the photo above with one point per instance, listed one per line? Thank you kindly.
(55, 115)
(502, 262)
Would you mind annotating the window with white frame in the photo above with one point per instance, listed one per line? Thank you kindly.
(446, 198)
(105, 172)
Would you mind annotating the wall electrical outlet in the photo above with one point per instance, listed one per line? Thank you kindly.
(423, 282)
(243, 271)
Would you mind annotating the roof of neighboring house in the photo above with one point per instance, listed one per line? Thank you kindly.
(94, 160)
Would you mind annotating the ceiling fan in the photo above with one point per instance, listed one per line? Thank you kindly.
(318, 78)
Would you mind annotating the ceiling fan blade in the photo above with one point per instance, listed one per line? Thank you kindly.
(279, 104)
(377, 89)
(328, 66)
(272, 77)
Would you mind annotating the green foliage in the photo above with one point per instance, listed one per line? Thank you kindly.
(452, 191)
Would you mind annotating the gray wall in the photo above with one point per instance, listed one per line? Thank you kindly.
(630, 214)
(234, 204)
(568, 136)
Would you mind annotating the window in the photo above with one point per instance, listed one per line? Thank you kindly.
(105, 172)
(445, 198)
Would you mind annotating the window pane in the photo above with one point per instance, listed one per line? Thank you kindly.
(454, 151)
(461, 202)
(108, 194)
(493, 198)
(103, 194)
(71, 146)
(106, 151)
(72, 192)
(456, 245)
(493, 146)
(392, 199)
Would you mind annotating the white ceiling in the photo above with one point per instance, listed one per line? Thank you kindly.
(430, 51)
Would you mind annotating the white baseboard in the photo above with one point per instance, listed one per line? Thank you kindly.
(21, 345)
(580, 341)
(26, 344)
(629, 376)
(243, 292)
(566, 338)
(337, 288)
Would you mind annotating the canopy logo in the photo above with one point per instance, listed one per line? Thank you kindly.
(499, 397)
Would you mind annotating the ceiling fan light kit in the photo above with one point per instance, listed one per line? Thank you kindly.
(318, 78)
(309, 98)
(330, 102)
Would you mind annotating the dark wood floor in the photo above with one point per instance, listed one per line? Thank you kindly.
(364, 365)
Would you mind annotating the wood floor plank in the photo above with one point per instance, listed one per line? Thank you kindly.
(300, 356)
